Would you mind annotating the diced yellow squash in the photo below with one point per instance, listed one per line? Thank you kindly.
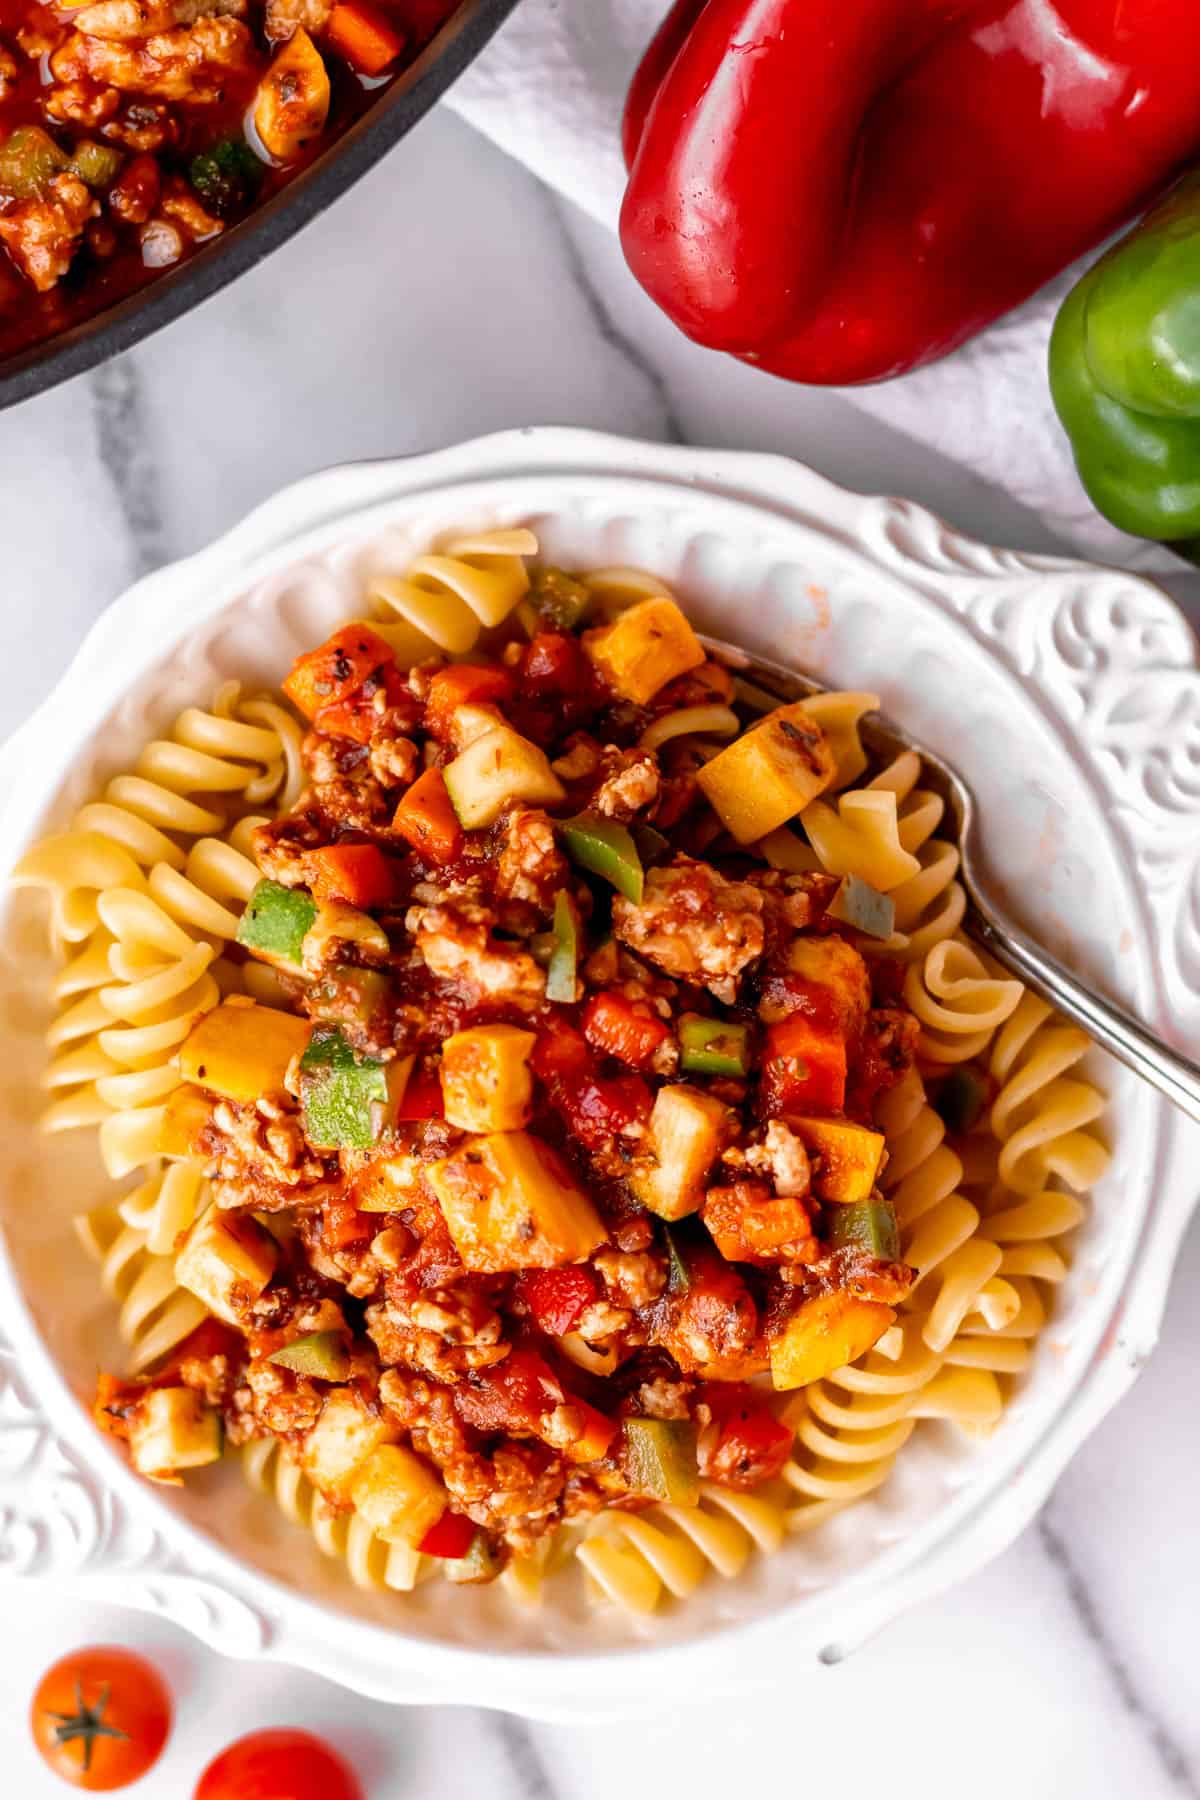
(398, 1495)
(292, 101)
(387, 1184)
(171, 1428)
(645, 647)
(185, 1115)
(486, 1083)
(510, 1203)
(850, 1156)
(686, 1130)
(226, 1261)
(242, 1050)
(825, 1334)
(495, 769)
(772, 772)
(344, 1436)
(836, 969)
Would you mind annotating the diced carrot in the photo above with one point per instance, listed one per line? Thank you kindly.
(426, 820)
(459, 685)
(363, 36)
(337, 669)
(597, 1435)
(358, 716)
(804, 1066)
(359, 874)
(617, 1027)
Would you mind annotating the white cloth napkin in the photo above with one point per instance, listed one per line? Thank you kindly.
(549, 90)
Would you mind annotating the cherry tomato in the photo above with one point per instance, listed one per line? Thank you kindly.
(100, 1717)
(278, 1765)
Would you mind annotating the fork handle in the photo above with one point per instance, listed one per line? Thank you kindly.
(1108, 1024)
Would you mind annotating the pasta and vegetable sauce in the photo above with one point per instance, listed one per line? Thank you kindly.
(564, 1118)
(132, 131)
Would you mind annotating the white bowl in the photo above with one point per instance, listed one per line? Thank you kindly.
(1070, 698)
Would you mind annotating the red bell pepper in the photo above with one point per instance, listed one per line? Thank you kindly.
(557, 1297)
(422, 1096)
(804, 1068)
(752, 1444)
(336, 669)
(450, 1538)
(358, 874)
(426, 820)
(616, 1027)
(840, 190)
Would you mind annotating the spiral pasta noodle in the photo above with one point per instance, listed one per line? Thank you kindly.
(445, 599)
(634, 1560)
(370, 1561)
(155, 1313)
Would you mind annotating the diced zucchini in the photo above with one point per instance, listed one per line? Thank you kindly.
(647, 646)
(858, 904)
(836, 969)
(350, 995)
(653, 846)
(344, 1436)
(561, 600)
(713, 1046)
(686, 1128)
(226, 1261)
(486, 1083)
(321, 1355)
(960, 1099)
(562, 975)
(769, 774)
(349, 1100)
(242, 1050)
(494, 770)
(822, 1335)
(275, 923)
(868, 1225)
(185, 1115)
(605, 848)
(469, 721)
(849, 1157)
(511, 1204)
(660, 1459)
(481, 1563)
(398, 1495)
(171, 1428)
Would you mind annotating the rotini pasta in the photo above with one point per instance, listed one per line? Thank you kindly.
(155, 1313)
(445, 600)
(370, 1561)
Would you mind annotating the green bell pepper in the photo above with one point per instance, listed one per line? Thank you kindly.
(712, 1046)
(275, 923)
(660, 1459)
(481, 1563)
(866, 1225)
(1125, 375)
(348, 1100)
(607, 849)
(563, 968)
(319, 1354)
(560, 599)
(679, 1277)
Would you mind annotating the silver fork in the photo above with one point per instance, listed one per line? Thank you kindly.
(1108, 1024)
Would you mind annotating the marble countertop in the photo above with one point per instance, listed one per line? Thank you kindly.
(1067, 1668)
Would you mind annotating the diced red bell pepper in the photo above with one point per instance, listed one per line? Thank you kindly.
(553, 663)
(463, 684)
(753, 1445)
(514, 1395)
(595, 1107)
(358, 716)
(804, 1068)
(450, 1538)
(557, 1297)
(426, 820)
(212, 1337)
(361, 35)
(338, 668)
(624, 1029)
(358, 874)
(422, 1097)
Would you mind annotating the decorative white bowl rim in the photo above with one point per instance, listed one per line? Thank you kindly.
(1109, 664)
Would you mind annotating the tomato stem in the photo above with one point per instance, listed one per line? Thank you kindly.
(85, 1723)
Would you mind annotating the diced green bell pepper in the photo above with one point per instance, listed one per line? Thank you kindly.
(652, 846)
(559, 598)
(607, 849)
(481, 1563)
(227, 177)
(713, 1046)
(348, 1100)
(660, 1459)
(29, 159)
(319, 1354)
(349, 995)
(275, 923)
(96, 164)
(563, 971)
(1125, 375)
(679, 1279)
(858, 904)
(866, 1225)
(960, 1099)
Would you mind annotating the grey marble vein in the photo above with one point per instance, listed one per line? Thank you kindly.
(1171, 1757)
(524, 1759)
(607, 329)
(121, 434)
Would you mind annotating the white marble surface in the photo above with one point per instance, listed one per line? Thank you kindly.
(1067, 1669)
